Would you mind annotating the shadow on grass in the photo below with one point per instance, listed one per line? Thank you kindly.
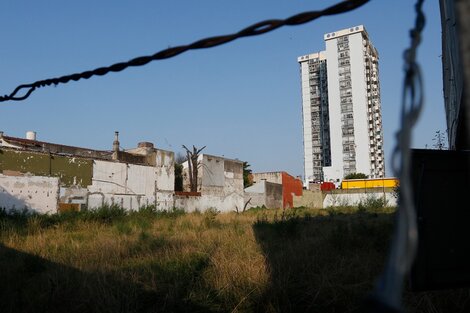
(32, 284)
(323, 263)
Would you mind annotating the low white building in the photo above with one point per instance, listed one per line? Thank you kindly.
(74, 177)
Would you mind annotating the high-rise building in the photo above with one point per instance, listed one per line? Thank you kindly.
(341, 110)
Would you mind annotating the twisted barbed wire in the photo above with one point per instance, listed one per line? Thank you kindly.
(253, 30)
(405, 239)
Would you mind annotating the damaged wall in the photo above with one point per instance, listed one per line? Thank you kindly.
(354, 197)
(265, 194)
(70, 170)
(220, 183)
(133, 186)
(273, 177)
(36, 193)
(165, 171)
(309, 199)
(92, 183)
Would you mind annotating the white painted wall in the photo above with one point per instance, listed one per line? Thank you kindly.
(132, 186)
(36, 193)
(259, 187)
(202, 203)
(212, 170)
(127, 201)
(221, 186)
(141, 180)
(333, 199)
(109, 177)
(265, 194)
(165, 171)
(73, 194)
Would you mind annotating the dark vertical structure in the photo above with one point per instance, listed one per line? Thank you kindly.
(441, 178)
(455, 21)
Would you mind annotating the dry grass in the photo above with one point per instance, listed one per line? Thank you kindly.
(259, 261)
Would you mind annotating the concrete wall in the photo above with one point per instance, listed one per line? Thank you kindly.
(220, 184)
(165, 174)
(256, 195)
(273, 177)
(70, 170)
(309, 199)
(127, 185)
(265, 194)
(204, 202)
(340, 198)
(290, 186)
(36, 193)
(132, 186)
(93, 183)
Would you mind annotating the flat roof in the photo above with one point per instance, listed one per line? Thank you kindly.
(346, 31)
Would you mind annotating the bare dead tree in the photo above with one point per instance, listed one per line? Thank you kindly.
(191, 157)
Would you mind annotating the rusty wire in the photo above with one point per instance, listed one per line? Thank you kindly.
(253, 30)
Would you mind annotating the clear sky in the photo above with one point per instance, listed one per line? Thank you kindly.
(241, 100)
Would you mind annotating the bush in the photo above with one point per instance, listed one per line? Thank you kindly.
(372, 204)
(105, 213)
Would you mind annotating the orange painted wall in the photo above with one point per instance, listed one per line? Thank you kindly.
(290, 185)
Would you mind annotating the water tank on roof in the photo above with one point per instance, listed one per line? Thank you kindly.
(31, 135)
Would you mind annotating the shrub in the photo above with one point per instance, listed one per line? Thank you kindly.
(372, 204)
(105, 213)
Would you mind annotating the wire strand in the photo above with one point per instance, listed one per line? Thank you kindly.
(405, 239)
(253, 30)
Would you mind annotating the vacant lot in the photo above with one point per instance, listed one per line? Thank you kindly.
(299, 260)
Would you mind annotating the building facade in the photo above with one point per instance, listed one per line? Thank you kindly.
(317, 152)
(341, 108)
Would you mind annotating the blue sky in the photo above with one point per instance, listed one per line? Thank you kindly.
(241, 100)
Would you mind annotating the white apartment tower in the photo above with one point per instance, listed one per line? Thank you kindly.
(341, 110)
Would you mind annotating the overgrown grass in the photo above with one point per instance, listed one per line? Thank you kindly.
(111, 260)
